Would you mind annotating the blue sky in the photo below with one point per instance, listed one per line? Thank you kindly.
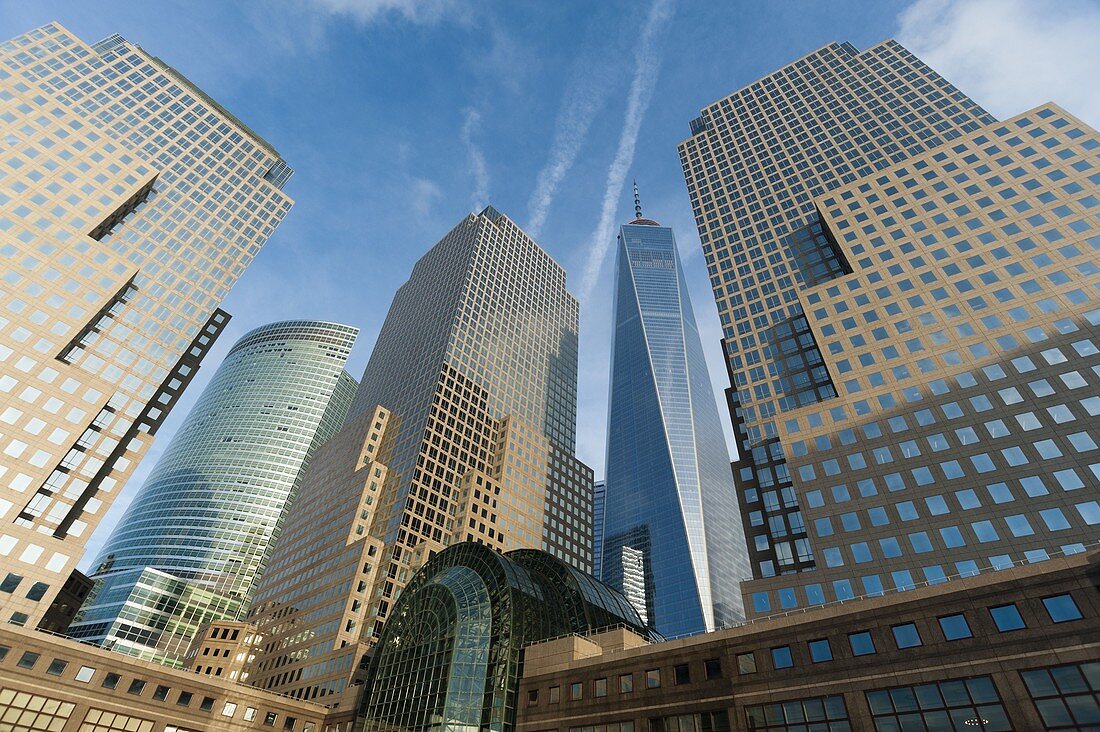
(401, 116)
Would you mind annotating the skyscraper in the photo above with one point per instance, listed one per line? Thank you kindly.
(462, 429)
(130, 202)
(906, 290)
(197, 536)
(673, 542)
(599, 498)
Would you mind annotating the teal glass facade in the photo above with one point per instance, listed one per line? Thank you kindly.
(672, 536)
(197, 536)
(450, 655)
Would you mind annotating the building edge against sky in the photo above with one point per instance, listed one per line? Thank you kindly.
(672, 536)
(111, 300)
(196, 538)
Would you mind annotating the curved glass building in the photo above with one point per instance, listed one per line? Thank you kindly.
(672, 536)
(449, 657)
(193, 543)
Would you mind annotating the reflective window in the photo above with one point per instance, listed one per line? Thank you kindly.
(1062, 608)
(781, 657)
(1007, 617)
(821, 714)
(862, 644)
(1067, 697)
(959, 704)
(820, 650)
(906, 635)
(955, 627)
(746, 663)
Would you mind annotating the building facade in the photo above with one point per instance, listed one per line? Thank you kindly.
(130, 202)
(599, 499)
(1007, 650)
(672, 536)
(196, 538)
(463, 429)
(954, 341)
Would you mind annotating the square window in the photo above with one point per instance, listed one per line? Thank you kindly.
(820, 650)
(746, 663)
(56, 667)
(1007, 617)
(533, 698)
(862, 644)
(712, 669)
(85, 674)
(955, 627)
(110, 681)
(184, 699)
(207, 703)
(626, 683)
(136, 687)
(906, 635)
(161, 693)
(1062, 608)
(270, 718)
(653, 678)
(781, 657)
(28, 659)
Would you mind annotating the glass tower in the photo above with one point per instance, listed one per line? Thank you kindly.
(463, 430)
(197, 536)
(673, 541)
(130, 202)
(907, 289)
(599, 499)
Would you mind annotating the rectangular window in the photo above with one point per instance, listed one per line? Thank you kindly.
(229, 709)
(1062, 608)
(821, 714)
(1007, 617)
(28, 659)
(288, 723)
(906, 635)
(746, 663)
(653, 678)
(533, 698)
(184, 699)
(136, 687)
(712, 668)
(681, 674)
(270, 718)
(626, 683)
(249, 714)
(955, 627)
(85, 674)
(781, 657)
(56, 667)
(161, 693)
(943, 705)
(862, 644)
(207, 703)
(555, 694)
(599, 687)
(1067, 697)
(576, 690)
(820, 650)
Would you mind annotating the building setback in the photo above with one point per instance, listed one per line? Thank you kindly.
(672, 536)
(908, 289)
(196, 538)
(463, 429)
(130, 202)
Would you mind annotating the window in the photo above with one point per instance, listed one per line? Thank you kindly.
(599, 687)
(626, 683)
(1067, 697)
(288, 723)
(249, 714)
(185, 698)
(906, 635)
(56, 667)
(1062, 608)
(136, 687)
(28, 659)
(862, 644)
(820, 650)
(781, 657)
(955, 627)
(270, 718)
(85, 674)
(229, 709)
(712, 669)
(576, 690)
(653, 678)
(746, 663)
(1007, 617)
(161, 692)
(555, 694)
(4, 652)
(955, 704)
(207, 703)
(533, 698)
(681, 674)
(821, 714)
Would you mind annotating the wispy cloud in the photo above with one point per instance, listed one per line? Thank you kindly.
(424, 195)
(367, 11)
(479, 197)
(1011, 55)
(584, 96)
(647, 61)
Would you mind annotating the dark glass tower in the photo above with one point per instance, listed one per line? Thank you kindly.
(672, 533)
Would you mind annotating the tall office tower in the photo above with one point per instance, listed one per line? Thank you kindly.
(905, 287)
(462, 429)
(673, 542)
(130, 202)
(196, 538)
(599, 496)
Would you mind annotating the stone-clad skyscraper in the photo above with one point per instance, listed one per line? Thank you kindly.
(198, 534)
(672, 536)
(130, 202)
(463, 429)
(907, 290)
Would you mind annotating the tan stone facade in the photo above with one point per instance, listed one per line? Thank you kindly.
(223, 648)
(129, 205)
(1016, 648)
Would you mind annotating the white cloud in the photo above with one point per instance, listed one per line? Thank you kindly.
(367, 11)
(424, 195)
(479, 198)
(584, 96)
(1011, 55)
(647, 61)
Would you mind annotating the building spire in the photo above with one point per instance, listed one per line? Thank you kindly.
(637, 202)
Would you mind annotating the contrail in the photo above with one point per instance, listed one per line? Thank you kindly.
(647, 61)
(480, 195)
(583, 99)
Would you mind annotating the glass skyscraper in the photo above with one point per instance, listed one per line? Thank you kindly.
(130, 202)
(672, 536)
(195, 541)
(908, 294)
(463, 430)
